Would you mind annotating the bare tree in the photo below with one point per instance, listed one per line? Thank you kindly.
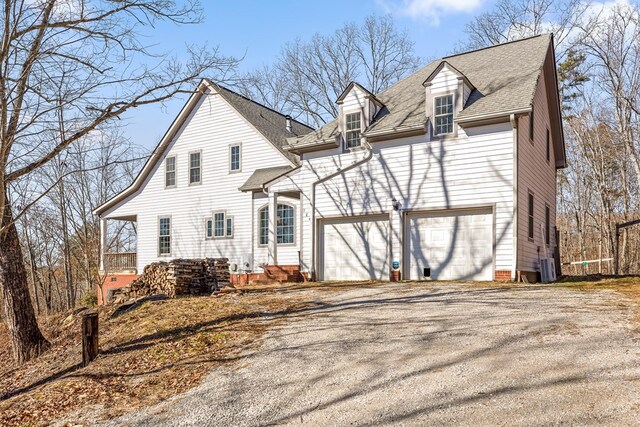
(308, 77)
(67, 68)
(516, 19)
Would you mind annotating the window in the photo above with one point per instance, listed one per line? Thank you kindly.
(209, 228)
(195, 175)
(263, 226)
(548, 146)
(219, 224)
(443, 114)
(164, 236)
(352, 126)
(229, 230)
(547, 223)
(531, 215)
(285, 226)
(234, 158)
(170, 172)
(531, 125)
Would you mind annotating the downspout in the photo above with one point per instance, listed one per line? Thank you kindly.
(514, 266)
(362, 161)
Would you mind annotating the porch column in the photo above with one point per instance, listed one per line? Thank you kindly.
(273, 223)
(103, 242)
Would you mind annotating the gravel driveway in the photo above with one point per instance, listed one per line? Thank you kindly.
(430, 354)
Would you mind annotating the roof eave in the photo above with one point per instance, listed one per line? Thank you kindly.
(493, 116)
(314, 146)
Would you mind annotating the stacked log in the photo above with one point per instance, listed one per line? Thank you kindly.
(178, 277)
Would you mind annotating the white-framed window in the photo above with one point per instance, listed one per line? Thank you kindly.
(229, 229)
(530, 224)
(219, 224)
(352, 130)
(235, 157)
(164, 236)
(285, 227)
(170, 172)
(209, 228)
(443, 117)
(263, 226)
(195, 167)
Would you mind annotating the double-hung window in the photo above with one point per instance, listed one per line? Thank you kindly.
(195, 168)
(170, 172)
(443, 114)
(352, 128)
(235, 158)
(263, 226)
(220, 225)
(286, 224)
(164, 236)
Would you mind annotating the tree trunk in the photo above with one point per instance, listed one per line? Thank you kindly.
(26, 339)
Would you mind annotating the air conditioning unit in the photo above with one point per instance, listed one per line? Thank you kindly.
(547, 270)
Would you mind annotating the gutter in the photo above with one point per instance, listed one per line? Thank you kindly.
(313, 202)
(514, 267)
(479, 117)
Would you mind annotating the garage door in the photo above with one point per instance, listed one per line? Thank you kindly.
(355, 249)
(454, 245)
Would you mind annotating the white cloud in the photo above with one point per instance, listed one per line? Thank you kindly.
(434, 9)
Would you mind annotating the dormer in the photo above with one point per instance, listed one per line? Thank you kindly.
(447, 91)
(357, 108)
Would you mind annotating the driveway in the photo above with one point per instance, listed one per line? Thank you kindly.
(430, 354)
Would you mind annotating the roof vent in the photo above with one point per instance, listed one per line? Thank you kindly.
(288, 123)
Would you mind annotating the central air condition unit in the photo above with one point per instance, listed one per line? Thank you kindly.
(247, 263)
(547, 270)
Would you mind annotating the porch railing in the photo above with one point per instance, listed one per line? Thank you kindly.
(115, 262)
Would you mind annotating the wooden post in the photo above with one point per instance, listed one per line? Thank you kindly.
(89, 337)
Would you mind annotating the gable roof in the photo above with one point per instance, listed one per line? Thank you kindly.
(266, 121)
(270, 123)
(259, 177)
(351, 85)
(504, 76)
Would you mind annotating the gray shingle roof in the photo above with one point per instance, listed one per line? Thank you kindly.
(270, 123)
(259, 177)
(504, 76)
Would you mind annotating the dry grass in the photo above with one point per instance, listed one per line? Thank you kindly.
(155, 351)
(629, 286)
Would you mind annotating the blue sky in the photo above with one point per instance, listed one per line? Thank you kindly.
(258, 29)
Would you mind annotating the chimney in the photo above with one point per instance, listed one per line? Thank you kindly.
(288, 123)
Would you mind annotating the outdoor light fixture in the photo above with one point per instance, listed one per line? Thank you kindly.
(395, 203)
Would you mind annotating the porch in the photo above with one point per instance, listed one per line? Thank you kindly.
(118, 245)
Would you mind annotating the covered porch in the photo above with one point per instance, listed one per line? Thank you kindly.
(118, 245)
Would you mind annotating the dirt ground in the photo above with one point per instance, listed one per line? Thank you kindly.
(430, 354)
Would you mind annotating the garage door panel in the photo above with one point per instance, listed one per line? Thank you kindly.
(455, 245)
(355, 249)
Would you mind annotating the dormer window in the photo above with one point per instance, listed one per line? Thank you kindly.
(443, 114)
(352, 130)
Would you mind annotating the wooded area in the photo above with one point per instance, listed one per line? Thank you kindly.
(62, 152)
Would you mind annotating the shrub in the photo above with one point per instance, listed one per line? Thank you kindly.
(90, 298)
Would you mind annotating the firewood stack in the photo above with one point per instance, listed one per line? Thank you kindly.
(178, 277)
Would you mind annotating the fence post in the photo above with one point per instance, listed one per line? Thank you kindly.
(616, 263)
(89, 337)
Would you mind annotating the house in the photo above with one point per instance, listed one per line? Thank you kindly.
(449, 174)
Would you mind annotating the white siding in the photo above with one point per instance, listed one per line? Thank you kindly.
(537, 175)
(474, 169)
(212, 127)
(445, 81)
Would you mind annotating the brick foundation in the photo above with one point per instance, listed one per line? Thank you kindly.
(114, 281)
(503, 275)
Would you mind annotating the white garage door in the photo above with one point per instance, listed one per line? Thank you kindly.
(454, 245)
(355, 249)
